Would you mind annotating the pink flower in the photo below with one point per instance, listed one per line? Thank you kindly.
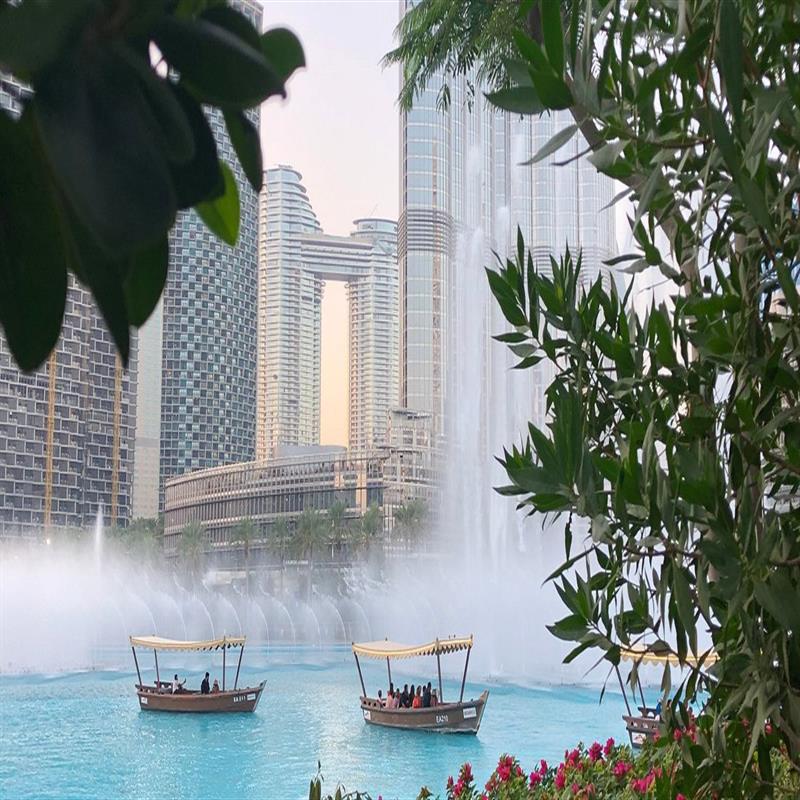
(561, 778)
(536, 778)
(677, 734)
(573, 757)
(466, 772)
(768, 729)
(596, 752)
(621, 769)
(575, 788)
(543, 767)
(680, 796)
(608, 747)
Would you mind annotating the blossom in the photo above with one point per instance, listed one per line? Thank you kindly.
(621, 769)
(561, 778)
(609, 746)
(536, 778)
(596, 752)
(575, 788)
(680, 796)
(466, 772)
(543, 767)
(677, 734)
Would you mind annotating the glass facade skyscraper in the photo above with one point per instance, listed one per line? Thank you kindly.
(208, 375)
(464, 192)
(296, 258)
(66, 430)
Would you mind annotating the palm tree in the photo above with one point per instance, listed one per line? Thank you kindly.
(192, 547)
(245, 534)
(410, 519)
(310, 532)
(370, 524)
(279, 537)
(339, 527)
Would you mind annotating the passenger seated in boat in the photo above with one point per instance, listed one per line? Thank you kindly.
(215, 687)
(417, 701)
(411, 695)
(381, 701)
(176, 686)
(434, 699)
(426, 696)
(204, 687)
(404, 697)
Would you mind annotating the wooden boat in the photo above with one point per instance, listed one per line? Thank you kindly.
(647, 723)
(446, 717)
(160, 697)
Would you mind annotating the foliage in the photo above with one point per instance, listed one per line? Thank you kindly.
(674, 435)
(279, 538)
(410, 519)
(371, 523)
(600, 771)
(311, 531)
(112, 142)
(245, 533)
(315, 790)
(339, 527)
(192, 547)
(142, 540)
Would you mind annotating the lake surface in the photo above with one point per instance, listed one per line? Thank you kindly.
(81, 735)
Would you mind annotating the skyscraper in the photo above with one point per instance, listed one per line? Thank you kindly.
(296, 258)
(464, 192)
(66, 430)
(208, 389)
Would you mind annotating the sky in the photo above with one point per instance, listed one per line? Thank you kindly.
(339, 128)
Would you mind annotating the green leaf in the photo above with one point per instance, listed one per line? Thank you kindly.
(553, 34)
(731, 63)
(33, 35)
(221, 215)
(33, 274)
(246, 142)
(570, 629)
(147, 274)
(283, 50)
(517, 99)
(555, 142)
(227, 17)
(605, 156)
(552, 90)
(101, 143)
(219, 66)
(200, 178)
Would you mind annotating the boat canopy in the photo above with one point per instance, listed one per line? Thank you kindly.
(387, 649)
(160, 643)
(646, 655)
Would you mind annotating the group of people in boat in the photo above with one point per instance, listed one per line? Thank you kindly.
(205, 688)
(413, 697)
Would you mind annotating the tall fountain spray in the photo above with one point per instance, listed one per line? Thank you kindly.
(98, 538)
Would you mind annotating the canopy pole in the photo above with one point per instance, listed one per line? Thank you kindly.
(136, 661)
(236, 679)
(439, 668)
(361, 677)
(389, 667)
(464, 679)
(158, 678)
(223, 665)
(622, 687)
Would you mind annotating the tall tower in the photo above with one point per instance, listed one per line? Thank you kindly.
(464, 192)
(66, 430)
(208, 375)
(296, 258)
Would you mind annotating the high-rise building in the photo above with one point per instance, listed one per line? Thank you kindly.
(66, 430)
(147, 441)
(208, 376)
(296, 258)
(464, 192)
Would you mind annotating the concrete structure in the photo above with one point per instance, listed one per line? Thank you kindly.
(295, 260)
(66, 430)
(147, 442)
(463, 195)
(208, 388)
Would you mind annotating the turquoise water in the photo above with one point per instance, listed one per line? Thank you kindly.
(81, 735)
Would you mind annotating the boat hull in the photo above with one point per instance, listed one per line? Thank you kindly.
(236, 700)
(447, 718)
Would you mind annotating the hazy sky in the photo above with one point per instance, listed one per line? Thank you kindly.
(339, 128)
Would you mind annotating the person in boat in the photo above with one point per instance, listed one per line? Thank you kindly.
(215, 687)
(177, 686)
(658, 709)
(404, 697)
(380, 697)
(417, 701)
(426, 696)
(411, 695)
(204, 687)
(434, 699)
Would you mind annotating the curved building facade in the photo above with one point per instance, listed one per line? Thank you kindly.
(296, 258)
